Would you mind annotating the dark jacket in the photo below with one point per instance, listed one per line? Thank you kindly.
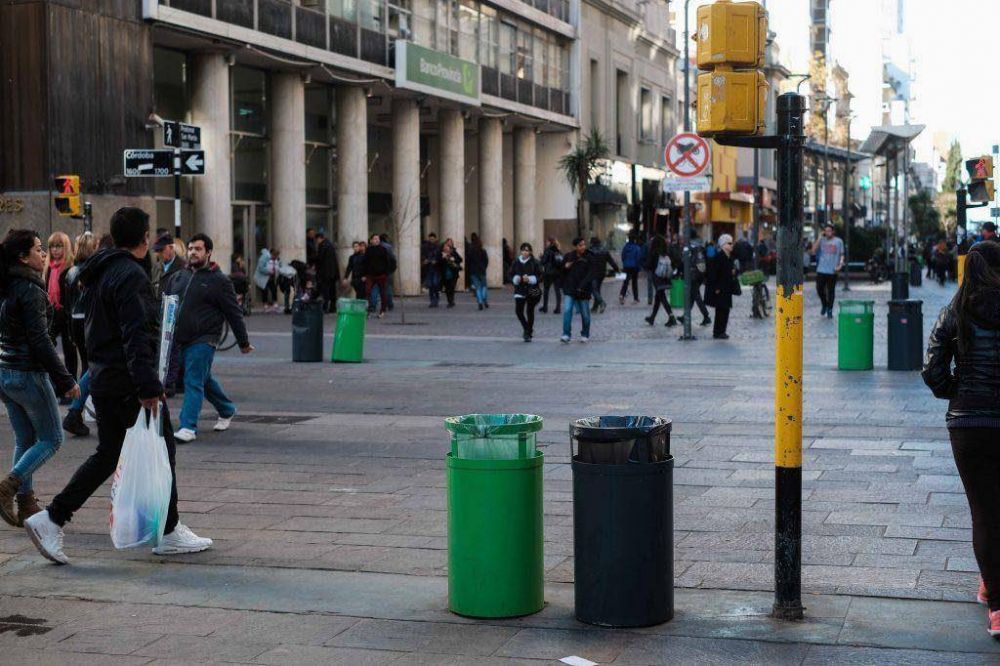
(601, 260)
(578, 275)
(552, 262)
(721, 276)
(450, 265)
(631, 256)
(477, 260)
(355, 267)
(327, 267)
(525, 269)
(743, 251)
(123, 326)
(25, 316)
(377, 261)
(973, 386)
(207, 298)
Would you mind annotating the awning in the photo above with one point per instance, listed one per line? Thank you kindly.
(603, 195)
(889, 139)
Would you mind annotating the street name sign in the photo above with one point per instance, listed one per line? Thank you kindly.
(141, 163)
(181, 135)
(696, 184)
(687, 155)
(192, 163)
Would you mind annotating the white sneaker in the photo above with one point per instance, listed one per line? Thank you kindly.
(584, 341)
(47, 537)
(185, 435)
(565, 339)
(182, 540)
(223, 423)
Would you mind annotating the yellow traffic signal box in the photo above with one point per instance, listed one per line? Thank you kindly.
(68, 196)
(981, 186)
(732, 91)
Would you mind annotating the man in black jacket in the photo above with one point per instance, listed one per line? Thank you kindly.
(578, 283)
(601, 259)
(377, 265)
(327, 271)
(207, 299)
(552, 266)
(122, 348)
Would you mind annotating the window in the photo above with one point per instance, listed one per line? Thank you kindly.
(621, 110)
(488, 37)
(400, 19)
(250, 168)
(540, 56)
(666, 120)
(249, 91)
(170, 83)
(468, 29)
(424, 23)
(645, 114)
(372, 17)
(343, 9)
(318, 103)
(523, 63)
(508, 39)
(595, 95)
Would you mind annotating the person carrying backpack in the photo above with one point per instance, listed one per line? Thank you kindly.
(662, 271)
(631, 263)
(699, 267)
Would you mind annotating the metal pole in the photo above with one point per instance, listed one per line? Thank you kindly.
(177, 192)
(961, 237)
(848, 220)
(904, 253)
(687, 335)
(756, 207)
(827, 210)
(788, 364)
(88, 217)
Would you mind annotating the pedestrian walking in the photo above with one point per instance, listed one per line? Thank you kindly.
(829, 251)
(721, 285)
(58, 262)
(631, 257)
(662, 272)
(526, 276)
(393, 263)
(578, 285)
(266, 278)
(354, 275)
(166, 262)
(743, 252)
(31, 372)
(207, 299)
(450, 267)
(122, 346)
(942, 261)
(601, 260)
(552, 269)
(644, 259)
(699, 272)
(430, 276)
(327, 271)
(376, 266)
(86, 246)
(476, 262)
(961, 366)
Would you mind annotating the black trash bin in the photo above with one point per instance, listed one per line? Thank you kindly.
(307, 331)
(623, 520)
(906, 334)
(900, 286)
(916, 273)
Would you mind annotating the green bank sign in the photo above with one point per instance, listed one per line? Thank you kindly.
(436, 73)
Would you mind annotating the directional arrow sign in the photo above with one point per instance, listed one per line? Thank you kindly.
(181, 135)
(139, 163)
(192, 162)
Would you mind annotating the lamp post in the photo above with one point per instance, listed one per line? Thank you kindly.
(687, 334)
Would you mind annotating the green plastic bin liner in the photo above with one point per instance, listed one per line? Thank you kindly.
(349, 337)
(495, 540)
(677, 294)
(856, 335)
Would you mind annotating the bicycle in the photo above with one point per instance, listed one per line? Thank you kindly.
(761, 299)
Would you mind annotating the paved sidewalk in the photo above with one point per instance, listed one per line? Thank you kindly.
(326, 501)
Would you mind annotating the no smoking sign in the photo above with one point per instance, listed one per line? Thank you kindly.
(687, 155)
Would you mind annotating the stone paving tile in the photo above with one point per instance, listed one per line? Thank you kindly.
(117, 641)
(307, 655)
(291, 628)
(426, 637)
(845, 655)
(901, 624)
(197, 649)
(18, 655)
(595, 644)
(676, 650)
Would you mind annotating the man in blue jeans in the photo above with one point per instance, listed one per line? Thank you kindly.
(578, 284)
(207, 298)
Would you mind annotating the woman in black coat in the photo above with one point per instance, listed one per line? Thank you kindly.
(967, 336)
(721, 285)
(526, 275)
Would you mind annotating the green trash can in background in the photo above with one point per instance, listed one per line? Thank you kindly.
(495, 566)
(349, 338)
(855, 335)
(677, 294)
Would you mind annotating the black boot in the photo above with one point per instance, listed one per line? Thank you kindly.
(73, 423)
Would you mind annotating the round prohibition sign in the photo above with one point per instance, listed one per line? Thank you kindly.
(687, 155)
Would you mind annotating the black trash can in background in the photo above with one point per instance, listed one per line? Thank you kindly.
(900, 286)
(906, 334)
(307, 331)
(623, 520)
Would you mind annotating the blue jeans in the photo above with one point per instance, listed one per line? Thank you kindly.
(580, 305)
(200, 385)
(479, 285)
(34, 415)
(78, 403)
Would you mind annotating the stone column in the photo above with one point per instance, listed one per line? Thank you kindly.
(406, 192)
(491, 196)
(213, 204)
(452, 130)
(352, 169)
(526, 228)
(288, 166)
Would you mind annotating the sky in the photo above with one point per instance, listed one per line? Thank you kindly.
(950, 42)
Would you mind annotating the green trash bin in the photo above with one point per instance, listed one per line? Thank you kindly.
(677, 294)
(855, 335)
(349, 338)
(495, 566)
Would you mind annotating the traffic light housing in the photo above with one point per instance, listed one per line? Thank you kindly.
(68, 196)
(732, 91)
(981, 186)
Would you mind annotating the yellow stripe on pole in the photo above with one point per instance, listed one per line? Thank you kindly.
(788, 379)
(961, 269)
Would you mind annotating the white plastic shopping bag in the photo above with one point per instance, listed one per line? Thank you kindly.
(140, 491)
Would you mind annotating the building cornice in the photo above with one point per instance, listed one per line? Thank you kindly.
(633, 21)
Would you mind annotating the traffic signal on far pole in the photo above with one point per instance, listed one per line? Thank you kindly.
(981, 187)
(732, 90)
(68, 196)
